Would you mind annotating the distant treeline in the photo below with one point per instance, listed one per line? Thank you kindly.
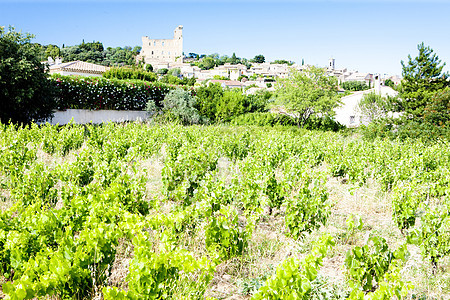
(92, 52)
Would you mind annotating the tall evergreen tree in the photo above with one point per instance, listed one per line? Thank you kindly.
(422, 76)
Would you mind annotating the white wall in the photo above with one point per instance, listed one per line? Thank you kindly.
(348, 114)
(83, 116)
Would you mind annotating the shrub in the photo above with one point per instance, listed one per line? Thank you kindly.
(162, 71)
(355, 86)
(178, 105)
(128, 73)
(263, 119)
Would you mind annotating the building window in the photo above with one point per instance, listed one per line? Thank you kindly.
(352, 119)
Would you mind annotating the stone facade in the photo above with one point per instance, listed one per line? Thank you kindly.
(163, 50)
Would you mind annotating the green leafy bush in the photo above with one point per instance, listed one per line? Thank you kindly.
(355, 86)
(367, 265)
(178, 106)
(293, 279)
(308, 210)
(225, 236)
(129, 73)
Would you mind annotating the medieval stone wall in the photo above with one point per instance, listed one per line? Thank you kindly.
(163, 50)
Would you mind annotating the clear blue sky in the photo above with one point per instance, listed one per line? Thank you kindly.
(369, 36)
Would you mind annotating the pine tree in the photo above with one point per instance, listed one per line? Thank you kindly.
(422, 76)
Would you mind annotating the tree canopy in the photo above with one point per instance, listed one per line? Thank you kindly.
(422, 76)
(308, 93)
(259, 59)
(25, 92)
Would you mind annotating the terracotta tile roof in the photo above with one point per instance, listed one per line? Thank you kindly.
(80, 66)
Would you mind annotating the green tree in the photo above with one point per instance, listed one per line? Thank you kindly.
(306, 94)
(374, 106)
(25, 92)
(207, 63)
(233, 103)
(234, 60)
(437, 111)
(148, 68)
(422, 76)
(207, 98)
(389, 83)
(259, 59)
(52, 51)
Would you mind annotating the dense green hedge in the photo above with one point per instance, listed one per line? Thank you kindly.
(99, 93)
(130, 73)
(271, 119)
(263, 119)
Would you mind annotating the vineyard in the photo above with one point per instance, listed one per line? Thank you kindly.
(136, 211)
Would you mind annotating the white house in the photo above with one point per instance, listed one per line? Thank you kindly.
(348, 113)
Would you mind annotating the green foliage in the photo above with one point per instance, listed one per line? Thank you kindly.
(148, 68)
(95, 53)
(355, 86)
(224, 235)
(374, 106)
(294, 279)
(218, 77)
(282, 62)
(26, 93)
(178, 105)
(184, 170)
(232, 103)
(174, 80)
(392, 286)
(263, 119)
(207, 98)
(220, 105)
(97, 93)
(388, 82)
(156, 275)
(305, 94)
(259, 59)
(437, 110)
(308, 210)
(206, 63)
(433, 234)
(405, 202)
(162, 71)
(129, 73)
(367, 265)
(421, 77)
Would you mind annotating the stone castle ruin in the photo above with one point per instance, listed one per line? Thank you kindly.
(163, 50)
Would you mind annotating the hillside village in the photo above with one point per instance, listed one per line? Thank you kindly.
(169, 54)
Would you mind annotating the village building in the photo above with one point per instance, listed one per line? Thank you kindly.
(77, 67)
(349, 114)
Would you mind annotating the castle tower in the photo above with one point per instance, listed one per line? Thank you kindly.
(331, 66)
(163, 50)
